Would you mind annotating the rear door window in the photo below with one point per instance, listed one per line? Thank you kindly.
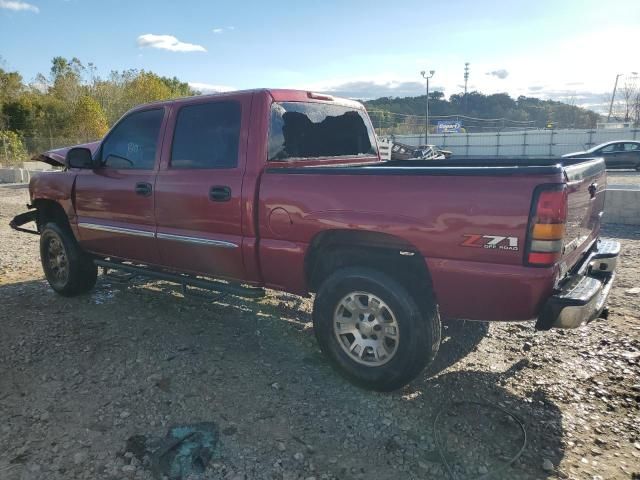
(631, 147)
(305, 130)
(133, 143)
(207, 135)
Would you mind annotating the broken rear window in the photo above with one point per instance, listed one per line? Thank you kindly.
(315, 130)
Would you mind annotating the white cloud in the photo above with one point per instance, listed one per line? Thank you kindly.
(367, 90)
(389, 85)
(219, 30)
(18, 5)
(501, 74)
(210, 88)
(167, 42)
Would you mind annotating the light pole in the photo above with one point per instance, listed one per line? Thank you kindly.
(613, 96)
(466, 79)
(426, 113)
(615, 86)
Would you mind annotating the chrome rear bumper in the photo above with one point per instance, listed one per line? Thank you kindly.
(582, 296)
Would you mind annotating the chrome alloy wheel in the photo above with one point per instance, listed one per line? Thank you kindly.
(57, 260)
(366, 329)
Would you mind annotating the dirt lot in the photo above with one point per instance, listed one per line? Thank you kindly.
(79, 377)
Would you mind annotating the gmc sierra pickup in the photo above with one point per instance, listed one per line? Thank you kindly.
(285, 189)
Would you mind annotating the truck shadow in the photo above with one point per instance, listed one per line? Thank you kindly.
(481, 425)
(459, 338)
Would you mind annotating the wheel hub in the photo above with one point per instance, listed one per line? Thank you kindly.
(366, 328)
(57, 259)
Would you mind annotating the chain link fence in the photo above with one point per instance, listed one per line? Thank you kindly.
(15, 150)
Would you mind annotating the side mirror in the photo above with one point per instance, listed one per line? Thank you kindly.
(79, 157)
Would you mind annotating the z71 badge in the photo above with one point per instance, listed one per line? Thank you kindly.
(494, 242)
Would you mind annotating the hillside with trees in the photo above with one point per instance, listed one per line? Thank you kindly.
(71, 105)
(491, 112)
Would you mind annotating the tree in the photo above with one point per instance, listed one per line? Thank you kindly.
(88, 121)
(12, 151)
(146, 87)
(18, 114)
(66, 79)
(72, 103)
(629, 93)
(10, 85)
(178, 88)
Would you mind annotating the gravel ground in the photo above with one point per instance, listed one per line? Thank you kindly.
(81, 376)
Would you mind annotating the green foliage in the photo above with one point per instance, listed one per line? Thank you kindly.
(87, 119)
(73, 105)
(12, 150)
(478, 105)
(10, 85)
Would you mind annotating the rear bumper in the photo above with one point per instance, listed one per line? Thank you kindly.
(582, 296)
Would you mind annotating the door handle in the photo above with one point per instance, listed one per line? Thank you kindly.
(220, 194)
(593, 189)
(143, 188)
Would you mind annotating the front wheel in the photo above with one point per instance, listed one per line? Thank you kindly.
(68, 269)
(373, 330)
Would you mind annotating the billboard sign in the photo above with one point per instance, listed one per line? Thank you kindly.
(449, 126)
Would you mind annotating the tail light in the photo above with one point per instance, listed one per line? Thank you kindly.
(547, 226)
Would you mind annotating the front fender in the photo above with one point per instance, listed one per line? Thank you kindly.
(56, 187)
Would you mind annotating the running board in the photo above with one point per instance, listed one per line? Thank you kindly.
(184, 280)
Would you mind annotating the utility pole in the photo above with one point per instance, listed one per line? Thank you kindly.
(466, 79)
(426, 113)
(615, 86)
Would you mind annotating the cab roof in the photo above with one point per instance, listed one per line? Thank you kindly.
(277, 94)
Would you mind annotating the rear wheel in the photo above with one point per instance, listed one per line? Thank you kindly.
(372, 329)
(68, 269)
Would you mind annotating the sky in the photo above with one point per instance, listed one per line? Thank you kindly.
(569, 50)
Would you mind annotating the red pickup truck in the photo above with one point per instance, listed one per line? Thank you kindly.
(285, 189)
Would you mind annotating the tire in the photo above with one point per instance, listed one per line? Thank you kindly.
(68, 269)
(411, 334)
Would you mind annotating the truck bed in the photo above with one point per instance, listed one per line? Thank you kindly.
(434, 205)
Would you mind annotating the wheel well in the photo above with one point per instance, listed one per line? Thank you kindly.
(333, 250)
(50, 211)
